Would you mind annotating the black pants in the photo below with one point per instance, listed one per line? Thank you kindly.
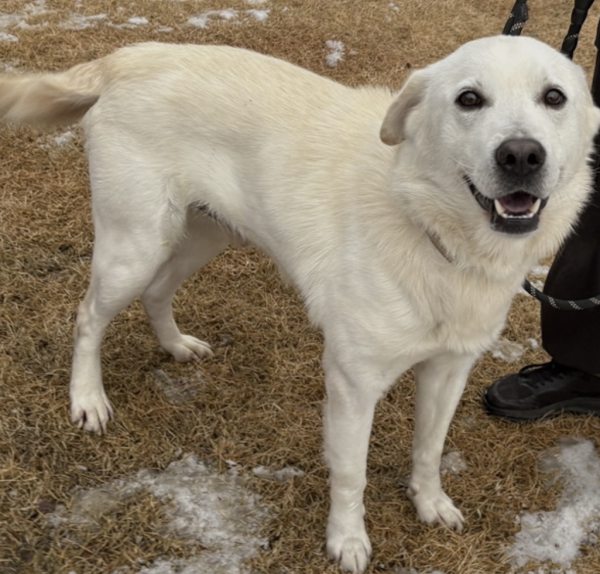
(572, 338)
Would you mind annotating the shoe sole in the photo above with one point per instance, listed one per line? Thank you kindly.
(574, 406)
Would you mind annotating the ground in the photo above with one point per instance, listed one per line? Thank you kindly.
(216, 466)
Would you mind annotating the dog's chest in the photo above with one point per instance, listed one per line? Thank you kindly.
(434, 319)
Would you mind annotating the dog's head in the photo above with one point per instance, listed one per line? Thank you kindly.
(508, 120)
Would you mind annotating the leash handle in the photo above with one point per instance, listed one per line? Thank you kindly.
(578, 16)
(518, 17)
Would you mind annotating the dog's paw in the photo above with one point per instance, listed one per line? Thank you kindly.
(91, 412)
(188, 348)
(438, 508)
(352, 553)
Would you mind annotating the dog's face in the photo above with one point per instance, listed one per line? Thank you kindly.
(507, 119)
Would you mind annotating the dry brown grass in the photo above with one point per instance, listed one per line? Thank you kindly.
(260, 398)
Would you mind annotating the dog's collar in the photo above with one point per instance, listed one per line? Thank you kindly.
(435, 240)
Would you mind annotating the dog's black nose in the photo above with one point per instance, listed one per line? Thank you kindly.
(520, 157)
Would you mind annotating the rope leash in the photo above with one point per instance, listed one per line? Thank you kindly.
(514, 25)
(562, 304)
(518, 17)
(578, 16)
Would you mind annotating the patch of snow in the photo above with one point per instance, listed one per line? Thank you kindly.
(402, 570)
(452, 463)
(201, 20)
(8, 65)
(336, 52)
(260, 15)
(61, 140)
(76, 21)
(27, 26)
(217, 510)
(6, 37)
(138, 20)
(533, 343)
(178, 390)
(80, 22)
(540, 270)
(36, 8)
(9, 19)
(131, 23)
(56, 142)
(507, 350)
(281, 475)
(201, 506)
(557, 535)
(230, 15)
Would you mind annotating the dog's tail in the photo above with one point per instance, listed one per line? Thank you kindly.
(51, 98)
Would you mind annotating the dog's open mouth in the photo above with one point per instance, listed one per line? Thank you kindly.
(517, 212)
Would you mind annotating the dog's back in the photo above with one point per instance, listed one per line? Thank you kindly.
(65, 97)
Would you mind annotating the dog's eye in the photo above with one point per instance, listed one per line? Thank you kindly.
(554, 97)
(469, 99)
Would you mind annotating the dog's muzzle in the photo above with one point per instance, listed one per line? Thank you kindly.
(514, 213)
(518, 160)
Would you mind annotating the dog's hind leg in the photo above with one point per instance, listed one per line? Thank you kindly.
(440, 383)
(124, 268)
(120, 273)
(204, 240)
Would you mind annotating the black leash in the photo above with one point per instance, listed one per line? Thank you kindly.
(578, 16)
(514, 25)
(518, 17)
(562, 304)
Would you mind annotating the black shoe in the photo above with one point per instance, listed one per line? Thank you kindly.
(538, 390)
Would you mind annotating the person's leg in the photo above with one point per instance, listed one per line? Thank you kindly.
(572, 338)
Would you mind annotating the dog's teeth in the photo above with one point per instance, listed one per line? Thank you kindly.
(502, 212)
(499, 208)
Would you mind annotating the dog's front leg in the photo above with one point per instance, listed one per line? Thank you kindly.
(348, 416)
(440, 383)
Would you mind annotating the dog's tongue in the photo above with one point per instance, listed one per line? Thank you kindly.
(517, 203)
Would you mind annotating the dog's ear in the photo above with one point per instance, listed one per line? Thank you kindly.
(392, 129)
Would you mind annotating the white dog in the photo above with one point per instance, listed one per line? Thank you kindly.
(407, 222)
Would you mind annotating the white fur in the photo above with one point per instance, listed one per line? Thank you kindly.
(294, 164)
